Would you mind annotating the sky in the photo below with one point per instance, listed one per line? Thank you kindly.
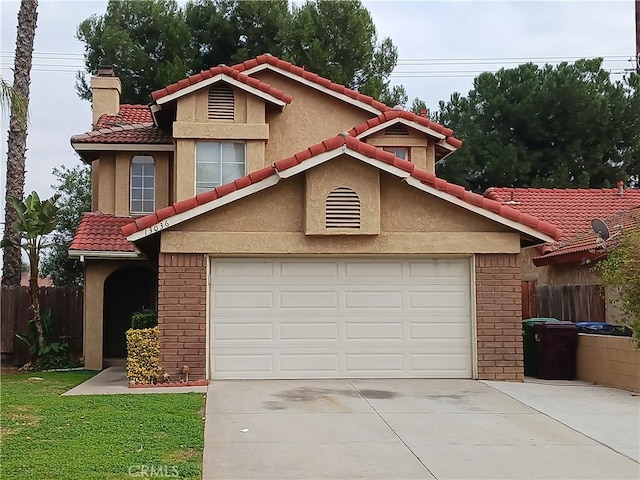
(442, 46)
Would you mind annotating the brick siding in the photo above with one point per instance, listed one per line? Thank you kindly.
(182, 313)
(499, 322)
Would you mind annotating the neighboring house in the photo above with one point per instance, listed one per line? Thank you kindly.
(569, 261)
(275, 246)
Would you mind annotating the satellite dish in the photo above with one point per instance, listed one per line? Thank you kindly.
(601, 229)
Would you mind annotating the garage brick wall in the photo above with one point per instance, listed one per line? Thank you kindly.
(499, 312)
(182, 298)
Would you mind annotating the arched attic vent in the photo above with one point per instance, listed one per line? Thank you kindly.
(342, 209)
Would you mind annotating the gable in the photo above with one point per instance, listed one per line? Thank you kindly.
(274, 220)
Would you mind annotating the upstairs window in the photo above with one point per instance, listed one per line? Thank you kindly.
(218, 163)
(402, 153)
(220, 102)
(143, 188)
(342, 209)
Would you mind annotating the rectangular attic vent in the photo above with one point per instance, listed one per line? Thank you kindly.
(221, 105)
(396, 129)
(342, 209)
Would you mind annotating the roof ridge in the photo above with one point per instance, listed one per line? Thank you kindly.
(310, 76)
(363, 148)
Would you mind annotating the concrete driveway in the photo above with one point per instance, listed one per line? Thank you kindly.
(402, 429)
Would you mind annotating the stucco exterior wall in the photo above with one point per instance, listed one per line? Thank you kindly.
(363, 179)
(105, 96)
(610, 361)
(416, 143)
(95, 184)
(96, 272)
(107, 182)
(311, 117)
(561, 274)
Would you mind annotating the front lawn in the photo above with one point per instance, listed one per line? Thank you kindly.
(46, 436)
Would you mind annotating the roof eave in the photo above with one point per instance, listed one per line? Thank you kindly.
(105, 254)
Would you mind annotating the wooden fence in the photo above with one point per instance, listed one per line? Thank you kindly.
(570, 303)
(66, 304)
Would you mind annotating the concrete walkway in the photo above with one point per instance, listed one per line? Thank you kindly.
(113, 381)
(607, 415)
(442, 429)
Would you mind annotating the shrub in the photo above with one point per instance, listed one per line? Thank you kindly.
(143, 347)
(144, 319)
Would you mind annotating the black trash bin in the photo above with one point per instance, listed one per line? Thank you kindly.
(529, 344)
(556, 350)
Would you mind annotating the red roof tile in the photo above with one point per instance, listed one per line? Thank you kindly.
(102, 233)
(393, 114)
(222, 69)
(571, 209)
(133, 133)
(312, 77)
(586, 245)
(128, 114)
(364, 149)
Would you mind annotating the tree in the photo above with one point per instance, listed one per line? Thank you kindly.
(74, 189)
(35, 220)
(148, 42)
(337, 40)
(17, 141)
(621, 271)
(11, 98)
(563, 126)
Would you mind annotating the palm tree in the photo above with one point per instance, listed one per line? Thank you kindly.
(17, 143)
(10, 97)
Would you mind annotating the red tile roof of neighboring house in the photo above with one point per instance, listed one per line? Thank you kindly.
(571, 209)
(312, 77)
(362, 148)
(100, 232)
(222, 69)
(586, 245)
(128, 114)
(132, 133)
(393, 114)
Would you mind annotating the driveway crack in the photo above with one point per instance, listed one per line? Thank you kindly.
(392, 429)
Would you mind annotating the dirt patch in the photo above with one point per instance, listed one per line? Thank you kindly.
(182, 455)
(20, 415)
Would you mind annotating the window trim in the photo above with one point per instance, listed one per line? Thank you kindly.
(220, 142)
(394, 149)
(142, 188)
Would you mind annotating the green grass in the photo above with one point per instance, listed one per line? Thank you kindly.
(46, 436)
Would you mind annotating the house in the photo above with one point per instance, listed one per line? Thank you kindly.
(285, 226)
(569, 261)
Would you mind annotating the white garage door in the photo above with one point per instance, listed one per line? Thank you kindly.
(340, 318)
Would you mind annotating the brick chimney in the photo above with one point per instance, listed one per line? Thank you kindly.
(105, 89)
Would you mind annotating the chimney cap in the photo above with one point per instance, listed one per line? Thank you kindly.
(106, 71)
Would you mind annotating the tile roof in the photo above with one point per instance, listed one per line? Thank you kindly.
(586, 245)
(131, 133)
(103, 233)
(128, 114)
(362, 148)
(571, 209)
(222, 69)
(393, 114)
(312, 77)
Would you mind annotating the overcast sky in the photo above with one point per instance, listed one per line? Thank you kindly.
(442, 46)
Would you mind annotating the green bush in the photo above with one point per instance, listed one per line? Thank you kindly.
(143, 348)
(144, 319)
